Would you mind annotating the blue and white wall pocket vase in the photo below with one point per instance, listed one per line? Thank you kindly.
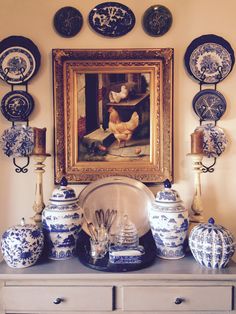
(62, 220)
(212, 245)
(17, 141)
(22, 245)
(169, 223)
(214, 140)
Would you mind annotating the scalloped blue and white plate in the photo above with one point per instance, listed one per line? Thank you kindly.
(209, 104)
(111, 19)
(209, 59)
(18, 141)
(214, 140)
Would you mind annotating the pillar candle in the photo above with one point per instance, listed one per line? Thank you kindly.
(197, 142)
(39, 141)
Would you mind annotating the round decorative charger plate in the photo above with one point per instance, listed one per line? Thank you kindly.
(111, 19)
(17, 105)
(126, 195)
(209, 104)
(19, 59)
(18, 141)
(68, 21)
(214, 140)
(157, 20)
(209, 59)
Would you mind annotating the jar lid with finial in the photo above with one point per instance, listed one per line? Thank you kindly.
(168, 199)
(63, 195)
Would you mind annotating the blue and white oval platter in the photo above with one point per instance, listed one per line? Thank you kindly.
(111, 19)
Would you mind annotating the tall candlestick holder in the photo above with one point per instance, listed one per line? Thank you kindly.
(197, 208)
(39, 205)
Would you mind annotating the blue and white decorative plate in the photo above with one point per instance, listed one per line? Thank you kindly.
(209, 104)
(68, 21)
(18, 141)
(157, 20)
(17, 105)
(111, 19)
(214, 140)
(209, 59)
(19, 59)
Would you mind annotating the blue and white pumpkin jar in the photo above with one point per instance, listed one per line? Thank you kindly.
(169, 223)
(62, 220)
(212, 245)
(22, 245)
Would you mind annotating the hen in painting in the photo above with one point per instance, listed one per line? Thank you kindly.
(122, 131)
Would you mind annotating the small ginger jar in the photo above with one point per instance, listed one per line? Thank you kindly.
(169, 223)
(62, 220)
(212, 245)
(22, 245)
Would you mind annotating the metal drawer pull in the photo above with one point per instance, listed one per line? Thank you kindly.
(58, 301)
(179, 300)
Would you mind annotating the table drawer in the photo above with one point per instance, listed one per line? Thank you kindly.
(167, 298)
(82, 298)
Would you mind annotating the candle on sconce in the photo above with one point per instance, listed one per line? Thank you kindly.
(39, 141)
(197, 142)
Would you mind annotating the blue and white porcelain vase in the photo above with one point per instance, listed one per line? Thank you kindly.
(22, 245)
(169, 223)
(212, 245)
(62, 220)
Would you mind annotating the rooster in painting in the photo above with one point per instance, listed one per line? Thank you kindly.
(117, 97)
(122, 131)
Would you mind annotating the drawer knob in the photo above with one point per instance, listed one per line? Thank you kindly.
(58, 301)
(179, 300)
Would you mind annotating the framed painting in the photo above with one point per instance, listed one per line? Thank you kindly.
(113, 114)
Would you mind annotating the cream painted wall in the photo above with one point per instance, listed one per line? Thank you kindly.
(191, 18)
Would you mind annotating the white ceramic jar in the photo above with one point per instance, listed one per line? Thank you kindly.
(22, 245)
(169, 223)
(62, 220)
(212, 245)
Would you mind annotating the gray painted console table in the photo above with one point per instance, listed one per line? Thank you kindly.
(180, 286)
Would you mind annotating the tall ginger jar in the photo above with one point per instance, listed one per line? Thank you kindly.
(62, 220)
(169, 223)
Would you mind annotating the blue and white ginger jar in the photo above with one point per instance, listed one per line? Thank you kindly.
(169, 223)
(212, 245)
(62, 220)
(22, 245)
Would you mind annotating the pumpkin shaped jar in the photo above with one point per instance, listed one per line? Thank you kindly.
(212, 245)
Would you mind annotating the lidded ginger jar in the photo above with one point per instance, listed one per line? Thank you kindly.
(62, 220)
(169, 223)
(212, 245)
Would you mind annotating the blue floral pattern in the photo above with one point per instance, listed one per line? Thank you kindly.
(18, 141)
(209, 62)
(22, 246)
(214, 140)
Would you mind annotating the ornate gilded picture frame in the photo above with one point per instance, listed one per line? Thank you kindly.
(113, 114)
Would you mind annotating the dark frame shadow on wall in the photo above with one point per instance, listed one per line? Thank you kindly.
(113, 114)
